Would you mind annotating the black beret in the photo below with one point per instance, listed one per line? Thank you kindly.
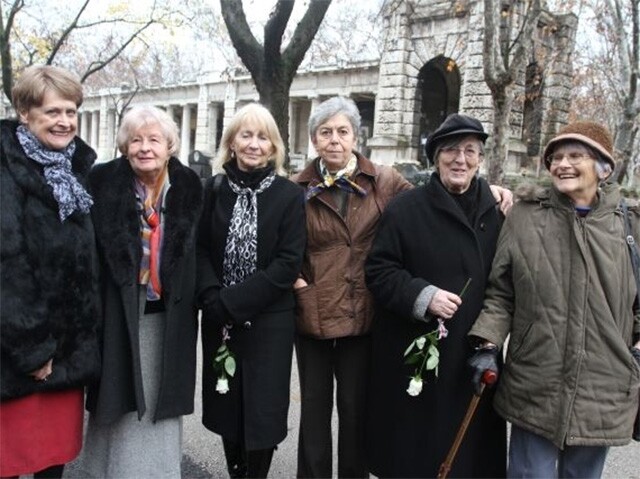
(455, 124)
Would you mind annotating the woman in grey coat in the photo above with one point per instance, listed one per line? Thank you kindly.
(145, 214)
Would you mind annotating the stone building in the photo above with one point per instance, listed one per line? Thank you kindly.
(431, 66)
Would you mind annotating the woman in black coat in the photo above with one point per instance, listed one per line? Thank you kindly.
(250, 247)
(49, 313)
(146, 209)
(431, 241)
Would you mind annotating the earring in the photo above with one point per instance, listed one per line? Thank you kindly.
(233, 155)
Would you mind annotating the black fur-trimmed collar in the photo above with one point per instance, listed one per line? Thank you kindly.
(117, 223)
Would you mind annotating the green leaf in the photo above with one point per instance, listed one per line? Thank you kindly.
(222, 347)
(432, 362)
(433, 351)
(413, 359)
(410, 347)
(220, 357)
(230, 366)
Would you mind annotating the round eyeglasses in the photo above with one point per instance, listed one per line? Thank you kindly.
(572, 158)
(468, 152)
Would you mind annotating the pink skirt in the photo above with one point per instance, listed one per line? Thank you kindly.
(40, 430)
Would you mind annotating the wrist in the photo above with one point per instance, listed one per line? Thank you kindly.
(486, 346)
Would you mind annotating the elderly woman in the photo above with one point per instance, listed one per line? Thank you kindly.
(562, 286)
(145, 214)
(48, 260)
(345, 196)
(432, 242)
(250, 245)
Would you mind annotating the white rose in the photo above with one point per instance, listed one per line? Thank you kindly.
(415, 386)
(222, 386)
(420, 342)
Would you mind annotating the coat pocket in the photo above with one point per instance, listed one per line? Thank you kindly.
(307, 317)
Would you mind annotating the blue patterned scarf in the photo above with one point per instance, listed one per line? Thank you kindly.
(67, 191)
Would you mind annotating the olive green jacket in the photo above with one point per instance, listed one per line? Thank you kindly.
(563, 287)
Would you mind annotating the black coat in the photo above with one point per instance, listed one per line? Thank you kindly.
(117, 226)
(425, 239)
(49, 277)
(255, 409)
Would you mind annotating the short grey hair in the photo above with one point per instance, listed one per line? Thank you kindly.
(335, 106)
(140, 116)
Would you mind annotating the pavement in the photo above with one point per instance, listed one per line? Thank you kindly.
(203, 456)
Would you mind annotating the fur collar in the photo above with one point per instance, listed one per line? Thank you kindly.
(28, 174)
(117, 223)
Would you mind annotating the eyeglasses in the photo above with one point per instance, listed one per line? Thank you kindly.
(453, 152)
(572, 158)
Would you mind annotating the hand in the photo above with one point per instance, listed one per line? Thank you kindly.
(484, 359)
(503, 196)
(300, 283)
(44, 372)
(444, 304)
(635, 351)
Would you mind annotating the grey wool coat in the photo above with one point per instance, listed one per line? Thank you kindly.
(562, 286)
(117, 224)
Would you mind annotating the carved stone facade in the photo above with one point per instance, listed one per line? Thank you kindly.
(432, 65)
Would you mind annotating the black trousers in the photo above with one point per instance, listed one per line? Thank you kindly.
(319, 362)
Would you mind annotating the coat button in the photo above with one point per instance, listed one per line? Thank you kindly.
(483, 227)
(247, 325)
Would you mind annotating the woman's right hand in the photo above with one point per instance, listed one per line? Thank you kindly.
(43, 373)
(300, 283)
(444, 304)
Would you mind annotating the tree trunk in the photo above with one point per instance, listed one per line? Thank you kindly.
(498, 146)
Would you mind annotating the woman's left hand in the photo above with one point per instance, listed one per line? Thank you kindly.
(43, 373)
(503, 196)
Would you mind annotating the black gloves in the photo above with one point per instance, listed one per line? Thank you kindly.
(484, 359)
(636, 425)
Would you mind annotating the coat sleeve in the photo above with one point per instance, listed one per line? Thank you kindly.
(246, 300)
(390, 283)
(207, 282)
(494, 322)
(26, 337)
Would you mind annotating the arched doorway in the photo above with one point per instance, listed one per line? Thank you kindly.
(438, 95)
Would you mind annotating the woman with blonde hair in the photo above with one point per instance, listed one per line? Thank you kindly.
(146, 208)
(250, 245)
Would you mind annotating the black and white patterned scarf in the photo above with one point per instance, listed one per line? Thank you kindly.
(241, 250)
(67, 191)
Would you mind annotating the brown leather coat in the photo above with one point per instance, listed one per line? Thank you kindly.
(336, 303)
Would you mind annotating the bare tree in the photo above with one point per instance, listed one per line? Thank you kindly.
(53, 45)
(273, 68)
(509, 28)
(625, 42)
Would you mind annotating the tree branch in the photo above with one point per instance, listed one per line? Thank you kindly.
(245, 43)
(276, 26)
(304, 33)
(66, 33)
(5, 47)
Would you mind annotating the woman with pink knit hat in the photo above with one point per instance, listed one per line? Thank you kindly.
(562, 287)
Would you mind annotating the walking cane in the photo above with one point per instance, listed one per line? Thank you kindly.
(488, 377)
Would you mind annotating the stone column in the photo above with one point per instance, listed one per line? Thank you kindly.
(311, 151)
(206, 119)
(185, 134)
(84, 126)
(169, 110)
(95, 127)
